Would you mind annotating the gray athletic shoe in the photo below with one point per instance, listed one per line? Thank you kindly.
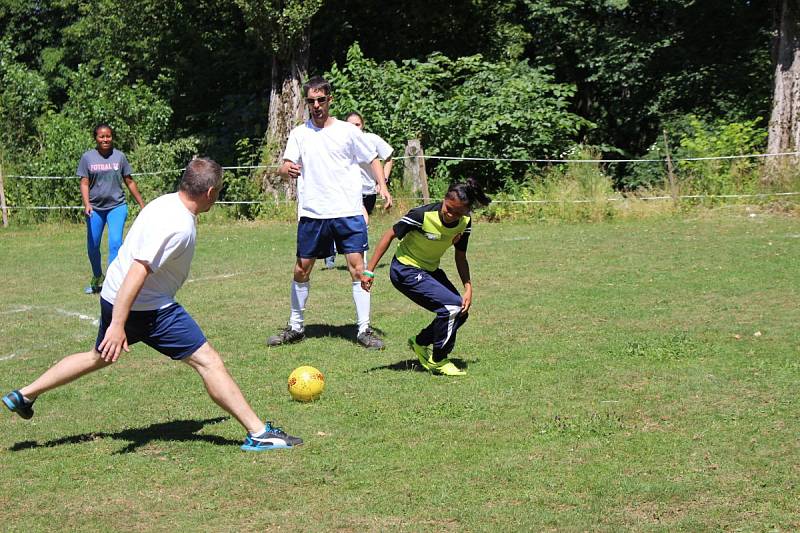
(16, 402)
(286, 336)
(369, 340)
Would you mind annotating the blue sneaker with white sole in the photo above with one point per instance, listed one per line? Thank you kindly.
(16, 402)
(272, 438)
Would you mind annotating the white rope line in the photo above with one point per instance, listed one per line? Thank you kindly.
(175, 170)
(460, 158)
(612, 199)
(663, 160)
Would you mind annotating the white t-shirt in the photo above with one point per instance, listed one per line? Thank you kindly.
(162, 236)
(368, 184)
(329, 185)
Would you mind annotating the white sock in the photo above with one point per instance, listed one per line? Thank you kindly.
(259, 432)
(362, 300)
(299, 296)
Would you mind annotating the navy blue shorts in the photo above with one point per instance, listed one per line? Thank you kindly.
(316, 236)
(171, 331)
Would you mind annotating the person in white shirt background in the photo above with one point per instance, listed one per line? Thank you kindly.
(323, 155)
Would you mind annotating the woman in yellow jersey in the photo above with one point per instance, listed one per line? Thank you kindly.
(425, 234)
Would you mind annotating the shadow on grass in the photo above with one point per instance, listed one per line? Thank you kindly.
(340, 265)
(347, 332)
(413, 364)
(175, 431)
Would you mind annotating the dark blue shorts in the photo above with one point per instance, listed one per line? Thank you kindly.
(316, 236)
(171, 331)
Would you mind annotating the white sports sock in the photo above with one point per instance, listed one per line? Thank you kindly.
(259, 433)
(299, 296)
(362, 300)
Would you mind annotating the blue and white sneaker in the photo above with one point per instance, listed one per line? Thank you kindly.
(16, 402)
(273, 438)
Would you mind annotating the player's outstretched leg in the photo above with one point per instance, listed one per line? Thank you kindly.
(226, 393)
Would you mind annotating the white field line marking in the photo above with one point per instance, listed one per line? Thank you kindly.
(80, 316)
(7, 357)
(211, 278)
(20, 310)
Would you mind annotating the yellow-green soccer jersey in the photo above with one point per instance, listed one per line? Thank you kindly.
(424, 238)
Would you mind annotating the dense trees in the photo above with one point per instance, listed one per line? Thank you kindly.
(508, 78)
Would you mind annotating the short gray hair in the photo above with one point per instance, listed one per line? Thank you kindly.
(200, 175)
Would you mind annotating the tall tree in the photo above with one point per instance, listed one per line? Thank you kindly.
(784, 124)
(282, 28)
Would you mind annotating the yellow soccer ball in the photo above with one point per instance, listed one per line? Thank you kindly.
(306, 383)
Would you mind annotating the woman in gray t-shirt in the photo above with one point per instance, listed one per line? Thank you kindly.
(103, 170)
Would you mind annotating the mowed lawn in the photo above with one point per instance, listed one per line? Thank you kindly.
(637, 375)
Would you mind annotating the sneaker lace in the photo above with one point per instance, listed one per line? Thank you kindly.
(274, 429)
(288, 332)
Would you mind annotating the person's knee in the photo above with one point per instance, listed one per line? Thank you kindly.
(205, 359)
(355, 265)
(96, 359)
(114, 242)
(302, 270)
(451, 310)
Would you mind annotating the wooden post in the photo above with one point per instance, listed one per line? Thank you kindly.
(673, 187)
(414, 169)
(3, 207)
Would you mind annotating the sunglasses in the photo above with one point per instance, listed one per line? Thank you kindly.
(319, 99)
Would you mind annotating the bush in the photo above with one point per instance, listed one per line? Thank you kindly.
(465, 107)
(693, 137)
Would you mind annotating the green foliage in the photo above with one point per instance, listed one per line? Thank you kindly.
(167, 160)
(571, 192)
(635, 62)
(55, 152)
(279, 25)
(509, 78)
(99, 93)
(691, 136)
(23, 98)
(720, 138)
(467, 107)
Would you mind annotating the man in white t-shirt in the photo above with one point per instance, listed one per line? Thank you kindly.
(324, 154)
(369, 189)
(137, 303)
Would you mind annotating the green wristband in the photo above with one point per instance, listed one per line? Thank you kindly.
(368, 273)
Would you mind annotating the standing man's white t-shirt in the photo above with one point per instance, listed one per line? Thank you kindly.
(163, 236)
(329, 185)
(385, 151)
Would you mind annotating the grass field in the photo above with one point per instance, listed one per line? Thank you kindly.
(636, 375)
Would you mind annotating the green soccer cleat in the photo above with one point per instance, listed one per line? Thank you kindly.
(423, 353)
(445, 367)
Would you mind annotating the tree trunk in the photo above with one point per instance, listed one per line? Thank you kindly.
(286, 110)
(784, 125)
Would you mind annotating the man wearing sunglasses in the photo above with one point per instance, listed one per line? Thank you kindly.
(323, 155)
